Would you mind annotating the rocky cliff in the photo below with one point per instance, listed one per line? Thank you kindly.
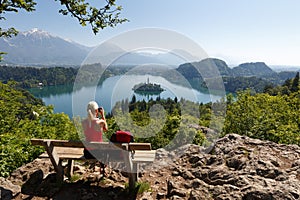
(237, 167)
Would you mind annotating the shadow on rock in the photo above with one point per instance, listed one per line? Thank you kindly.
(88, 191)
(37, 185)
(5, 194)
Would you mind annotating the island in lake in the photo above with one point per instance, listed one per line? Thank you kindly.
(147, 88)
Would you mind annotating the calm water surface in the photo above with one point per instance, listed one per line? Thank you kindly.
(112, 90)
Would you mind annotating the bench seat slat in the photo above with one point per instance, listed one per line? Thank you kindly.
(68, 150)
(103, 145)
(67, 143)
(72, 156)
(144, 156)
(108, 145)
(59, 143)
(137, 159)
(144, 160)
(77, 154)
(139, 146)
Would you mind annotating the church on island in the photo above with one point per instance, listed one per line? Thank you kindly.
(148, 87)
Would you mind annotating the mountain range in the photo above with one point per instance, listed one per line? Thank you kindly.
(38, 47)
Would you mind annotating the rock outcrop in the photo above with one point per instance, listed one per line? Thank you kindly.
(237, 167)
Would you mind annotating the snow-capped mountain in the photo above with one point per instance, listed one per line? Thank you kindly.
(37, 33)
(40, 47)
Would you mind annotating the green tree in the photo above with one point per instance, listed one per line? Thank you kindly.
(23, 117)
(288, 87)
(274, 118)
(295, 83)
(97, 18)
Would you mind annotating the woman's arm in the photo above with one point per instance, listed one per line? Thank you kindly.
(102, 121)
(103, 124)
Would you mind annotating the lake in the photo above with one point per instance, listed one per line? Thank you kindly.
(112, 90)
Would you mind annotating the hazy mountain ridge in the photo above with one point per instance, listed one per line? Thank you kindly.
(40, 47)
(255, 75)
(257, 69)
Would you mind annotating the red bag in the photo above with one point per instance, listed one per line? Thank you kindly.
(122, 137)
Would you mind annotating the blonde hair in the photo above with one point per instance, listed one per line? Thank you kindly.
(91, 111)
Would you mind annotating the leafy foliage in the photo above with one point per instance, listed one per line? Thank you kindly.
(160, 122)
(274, 118)
(23, 117)
(99, 18)
(106, 16)
(234, 84)
(290, 86)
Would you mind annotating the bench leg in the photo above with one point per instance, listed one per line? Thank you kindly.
(129, 169)
(59, 172)
(133, 176)
(70, 168)
(56, 162)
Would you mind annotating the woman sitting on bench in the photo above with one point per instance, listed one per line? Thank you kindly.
(93, 127)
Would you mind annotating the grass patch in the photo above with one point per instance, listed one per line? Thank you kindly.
(140, 187)
(75, 178)
(143, 187)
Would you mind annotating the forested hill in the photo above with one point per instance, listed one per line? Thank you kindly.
(189, 70)
(256, 69)
(28, 77)
(255, 75)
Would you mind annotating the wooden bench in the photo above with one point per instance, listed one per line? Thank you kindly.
(132, 155)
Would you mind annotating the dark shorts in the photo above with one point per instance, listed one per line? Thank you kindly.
(95, 154)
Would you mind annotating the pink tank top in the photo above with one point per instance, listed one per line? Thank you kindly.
(92, 133)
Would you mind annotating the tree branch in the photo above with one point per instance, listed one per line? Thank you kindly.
(98, 18)
(106, 16)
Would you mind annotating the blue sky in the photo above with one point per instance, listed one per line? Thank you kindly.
(236, 31)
